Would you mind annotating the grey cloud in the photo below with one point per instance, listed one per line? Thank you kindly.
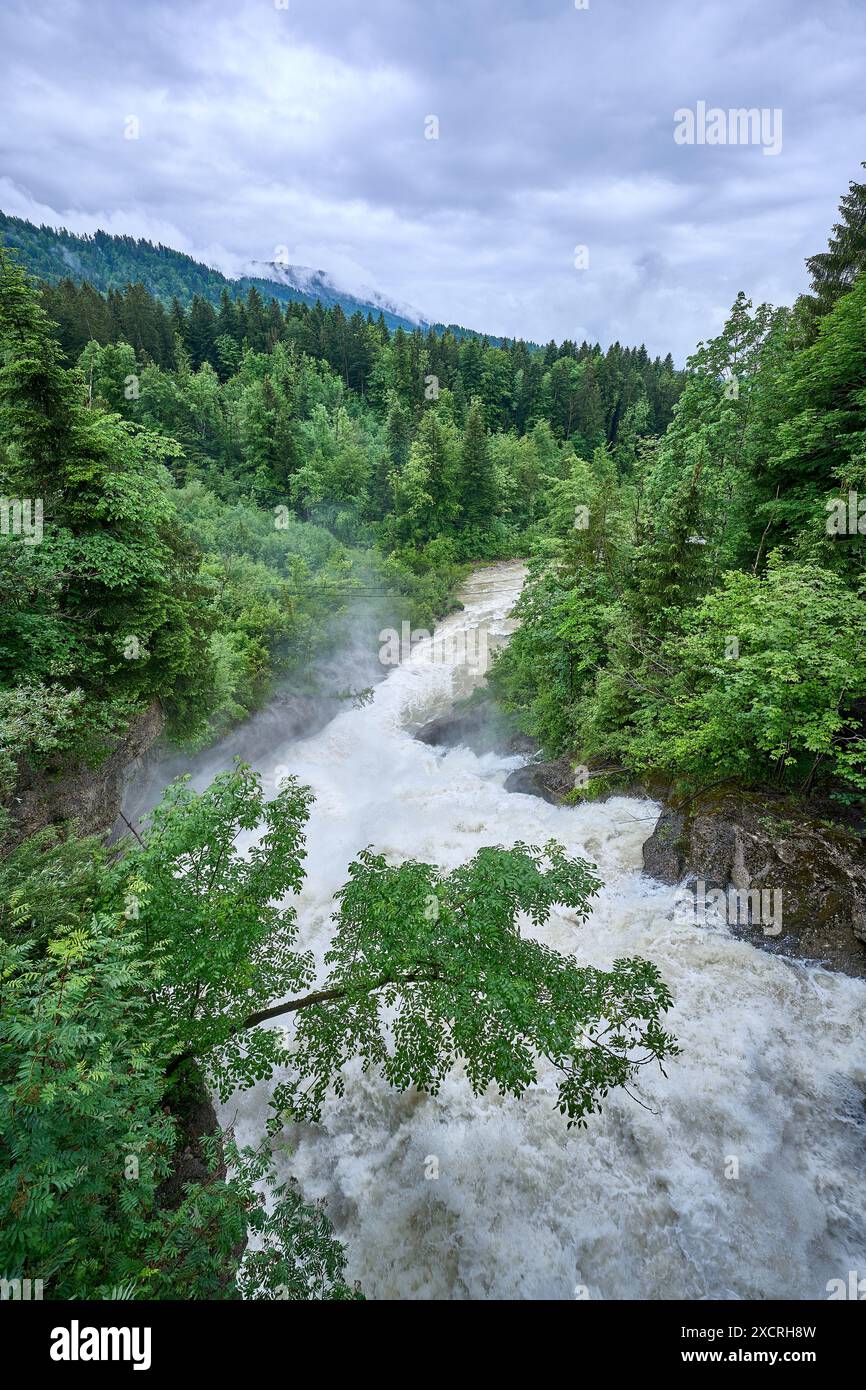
(305, 127)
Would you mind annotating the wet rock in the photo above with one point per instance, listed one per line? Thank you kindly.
(477, 724)
(91, 797)
(664, 853)
(449, 730)
(747, 842)
(556, 781)
(551, 781)
(192, 1109)
(197, 1119)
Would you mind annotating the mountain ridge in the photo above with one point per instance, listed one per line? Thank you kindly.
(110, 262)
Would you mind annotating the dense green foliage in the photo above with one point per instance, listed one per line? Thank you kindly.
(141, 589)
(163, 961)
(704, 618)
(218, 488)
(110, 263)
(219, 484)
(216, 481)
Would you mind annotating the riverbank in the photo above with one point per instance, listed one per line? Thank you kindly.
(750, 855)
(653, 1215)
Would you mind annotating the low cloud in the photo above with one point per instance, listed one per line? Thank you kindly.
(304, 127)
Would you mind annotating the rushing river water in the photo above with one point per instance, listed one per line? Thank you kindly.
(642, 1204)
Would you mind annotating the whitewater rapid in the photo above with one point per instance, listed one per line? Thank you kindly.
(772, 1072)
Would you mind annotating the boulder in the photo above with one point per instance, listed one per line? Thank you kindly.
(477, 724)
(551, 781)
(751, 843)
(89, 796)
(555, 781)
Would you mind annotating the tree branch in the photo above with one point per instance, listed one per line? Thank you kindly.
(306, 1001)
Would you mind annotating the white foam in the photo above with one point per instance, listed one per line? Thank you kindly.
(638, 1205)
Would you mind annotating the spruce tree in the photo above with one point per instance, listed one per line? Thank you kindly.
(477, 480)
(399, 433)
(116, 602)
(834, 271)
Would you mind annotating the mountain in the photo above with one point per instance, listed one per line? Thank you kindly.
(318, 284)
(111, 262)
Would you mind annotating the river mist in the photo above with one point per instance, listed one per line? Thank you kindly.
(642, 1204)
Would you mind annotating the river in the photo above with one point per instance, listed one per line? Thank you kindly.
(740, 1175)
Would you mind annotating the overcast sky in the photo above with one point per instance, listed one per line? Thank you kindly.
(305, 127)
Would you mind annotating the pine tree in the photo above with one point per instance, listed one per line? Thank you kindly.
(120, 564)
(834, 271)
(427, 490)
(201, 333)
(399, 435)
(477, 480)
(227, 318)
(255, 326)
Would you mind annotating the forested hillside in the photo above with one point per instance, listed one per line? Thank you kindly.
(200, 495)
(216, 486)
(706, 622)
(296, 458)
(108, 262)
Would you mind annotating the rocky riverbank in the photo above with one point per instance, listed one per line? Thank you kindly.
(752, 843)
(89, 797)
(757, 848)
